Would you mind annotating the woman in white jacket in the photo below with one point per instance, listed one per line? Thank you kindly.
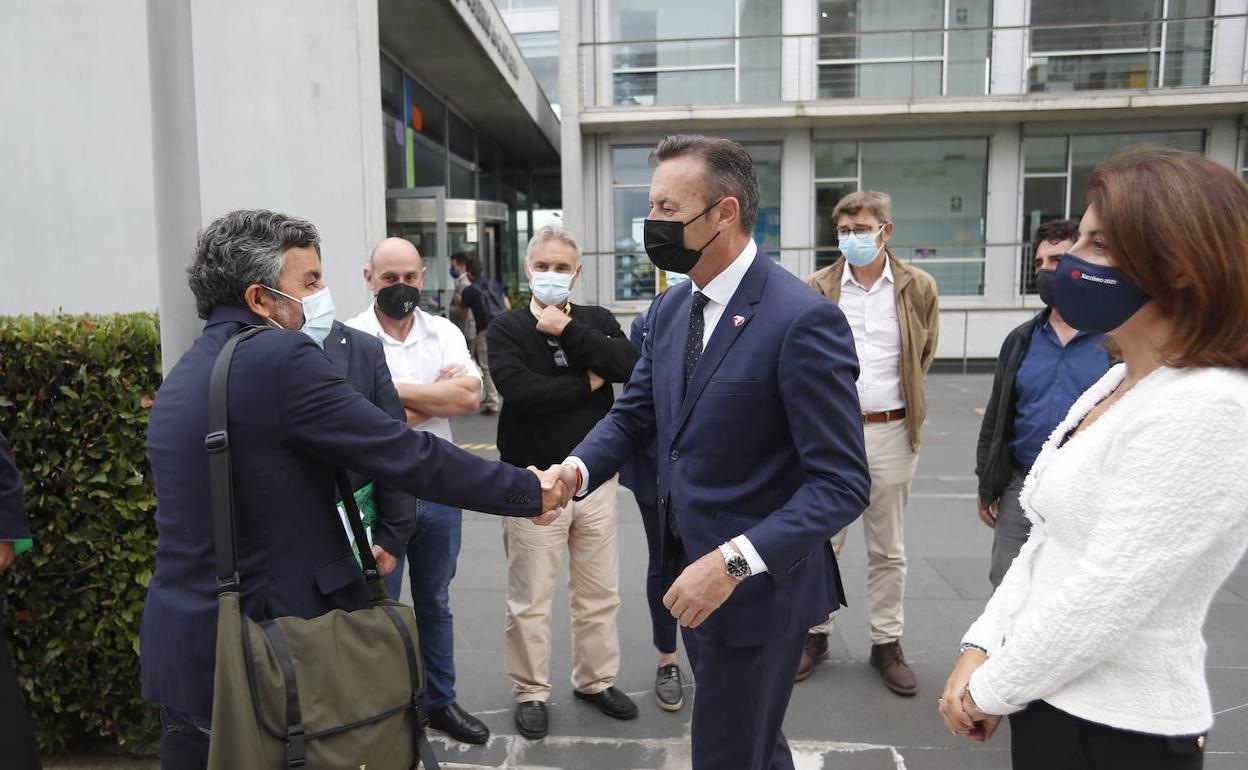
(1139, 499)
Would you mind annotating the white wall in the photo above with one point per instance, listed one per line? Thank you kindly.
(77, 228)
(288, 113)
(288, 104)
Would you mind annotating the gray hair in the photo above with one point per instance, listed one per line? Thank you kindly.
(241, 248)
(553, 233)
(729, 169)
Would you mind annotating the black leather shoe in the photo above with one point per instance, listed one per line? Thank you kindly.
(459, 724)
(612, 702)
(669, 687)
(531, 719)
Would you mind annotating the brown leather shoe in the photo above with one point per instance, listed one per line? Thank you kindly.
(814, 651)
(891, 663)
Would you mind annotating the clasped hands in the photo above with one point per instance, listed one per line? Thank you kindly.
(558, 484)
(956, 706)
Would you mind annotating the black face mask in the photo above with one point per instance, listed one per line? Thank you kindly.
(665, 243)
(398, 301)
(1044, 285)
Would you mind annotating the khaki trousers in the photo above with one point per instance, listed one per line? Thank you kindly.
(891, 463)
(587, 530)
(481, 355)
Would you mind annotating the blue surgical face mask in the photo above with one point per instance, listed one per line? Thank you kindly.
(551, 288)
(860, 250)
(454, 274)
(318, 313)
(1094, 298)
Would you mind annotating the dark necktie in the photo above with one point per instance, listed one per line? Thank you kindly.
(693, 342)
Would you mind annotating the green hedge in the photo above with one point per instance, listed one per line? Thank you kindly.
(74, 398)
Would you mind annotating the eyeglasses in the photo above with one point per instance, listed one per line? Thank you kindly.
(561, 358)
(845, 232)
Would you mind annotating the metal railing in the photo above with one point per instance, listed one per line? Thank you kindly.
(910, 64)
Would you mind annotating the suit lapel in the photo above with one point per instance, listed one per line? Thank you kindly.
(735, 318)
(669, 350)
(338, 349)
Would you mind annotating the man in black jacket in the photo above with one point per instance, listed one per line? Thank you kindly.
(554, 364)
(1043, 367)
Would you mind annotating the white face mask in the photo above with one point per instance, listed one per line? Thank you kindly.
(318, 313)
(551, 288)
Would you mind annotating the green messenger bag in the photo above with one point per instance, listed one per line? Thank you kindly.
(324, 693)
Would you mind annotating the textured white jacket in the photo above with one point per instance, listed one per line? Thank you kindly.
(1136, 521)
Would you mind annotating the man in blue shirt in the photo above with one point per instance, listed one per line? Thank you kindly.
(1043, 367)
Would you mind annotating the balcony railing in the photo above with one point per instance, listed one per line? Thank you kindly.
(909, 64)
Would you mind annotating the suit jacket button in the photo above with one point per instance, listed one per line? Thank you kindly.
(674, 456)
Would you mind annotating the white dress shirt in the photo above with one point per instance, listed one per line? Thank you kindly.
(872, 315)
(433, 344)
(718, 292)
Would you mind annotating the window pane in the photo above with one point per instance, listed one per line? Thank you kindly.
(836, 160)
(1044, 199)
(629, 165)
(939, 191)
(1045, 154)
(657, 19)
(1088, 151)
(687, 87)
(1093, 73)
(1097, 25)
(394, 139)
(463, 139)
(391, 87)
(1189, 52)
(634, 273)
(767, 164)
(895, 80)
(827, 195)
(430, 165)
(541, 51)
(428, 113)
(462, 184)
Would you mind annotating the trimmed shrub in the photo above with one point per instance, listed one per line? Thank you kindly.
(74, 398)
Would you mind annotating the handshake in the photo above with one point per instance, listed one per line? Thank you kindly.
(558, 486)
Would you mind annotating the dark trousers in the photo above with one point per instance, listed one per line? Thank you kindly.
(740, 698)
(432, 555)
(1045, 738)
(17, 735)
(662, 624)
(183, 740)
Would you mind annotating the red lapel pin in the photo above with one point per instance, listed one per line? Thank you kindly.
(737, 320)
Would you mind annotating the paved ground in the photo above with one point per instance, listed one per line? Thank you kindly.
(840, 719)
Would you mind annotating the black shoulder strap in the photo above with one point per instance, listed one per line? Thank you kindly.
(369, 563)
(221, 480)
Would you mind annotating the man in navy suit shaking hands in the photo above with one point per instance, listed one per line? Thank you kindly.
(747, 381)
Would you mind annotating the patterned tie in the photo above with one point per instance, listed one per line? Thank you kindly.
(693, 342)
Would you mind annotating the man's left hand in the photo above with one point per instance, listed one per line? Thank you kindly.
(385, 562)
(700, 590)
(553, 321)
(6, 555)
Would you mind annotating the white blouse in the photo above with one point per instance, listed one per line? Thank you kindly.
(1136, 522)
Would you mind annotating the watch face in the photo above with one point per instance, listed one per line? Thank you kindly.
(738, 567)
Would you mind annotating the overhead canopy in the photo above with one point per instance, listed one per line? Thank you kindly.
(464, 51)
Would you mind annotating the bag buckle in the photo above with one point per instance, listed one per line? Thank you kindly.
(296, 747)
(228, 584)
(216, 442)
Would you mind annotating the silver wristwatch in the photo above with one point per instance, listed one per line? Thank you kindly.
(734, 562)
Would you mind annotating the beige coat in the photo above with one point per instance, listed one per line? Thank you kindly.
(918, 313)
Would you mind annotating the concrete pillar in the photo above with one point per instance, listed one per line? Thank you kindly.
(1009, 47)
(175, 170)
(571, 164)
(797, 185)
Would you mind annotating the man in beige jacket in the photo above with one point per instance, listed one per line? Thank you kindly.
(893, 312)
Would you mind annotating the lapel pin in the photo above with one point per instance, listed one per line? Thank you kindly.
(737, 321)
(342, 341)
